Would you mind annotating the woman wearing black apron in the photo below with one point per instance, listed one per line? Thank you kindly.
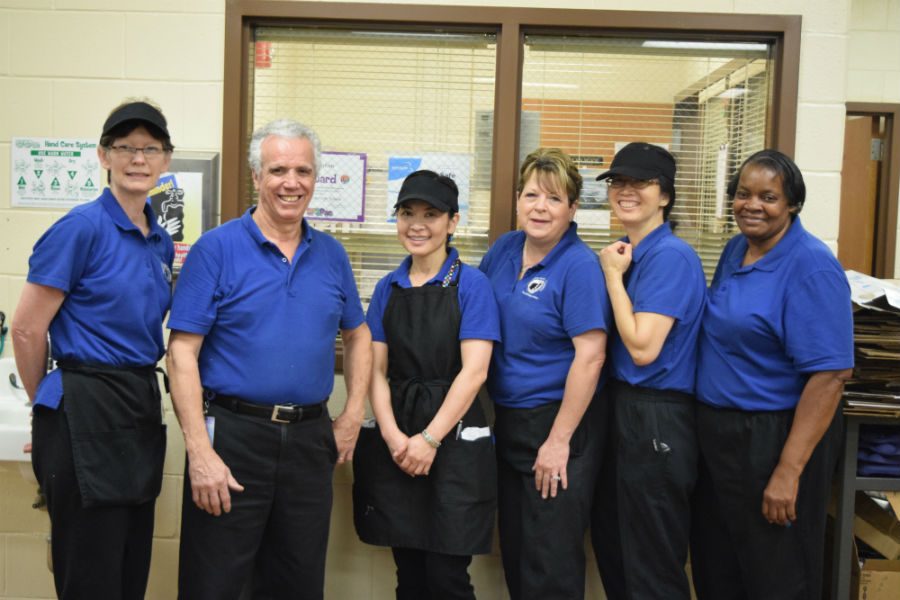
(99, 281)
(425, 477)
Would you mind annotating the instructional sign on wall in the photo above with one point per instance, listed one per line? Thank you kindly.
(456, 166)
(340, 188)
(54, 172)
(177, 201)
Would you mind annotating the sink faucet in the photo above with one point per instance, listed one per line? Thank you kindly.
(13, 381)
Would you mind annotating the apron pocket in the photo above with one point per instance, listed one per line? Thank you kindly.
(122, 467)
(380, 490)
(465, 496)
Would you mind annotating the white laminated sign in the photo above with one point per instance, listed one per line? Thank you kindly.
(54, 172)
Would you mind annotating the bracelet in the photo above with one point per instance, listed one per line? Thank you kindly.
(430, 440)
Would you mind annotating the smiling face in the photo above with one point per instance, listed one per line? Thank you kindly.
(761, 207)
(133, 175)
(638, 204)
(423, 229)
(286, 179)
(543, 210)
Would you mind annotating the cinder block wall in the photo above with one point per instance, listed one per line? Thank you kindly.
(873, 59)
(65, 63)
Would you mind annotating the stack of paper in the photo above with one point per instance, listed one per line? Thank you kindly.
(875, 386)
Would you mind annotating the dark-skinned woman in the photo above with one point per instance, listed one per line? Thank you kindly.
(775, 348)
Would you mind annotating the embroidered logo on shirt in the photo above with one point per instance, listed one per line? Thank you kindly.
(167, 272)
(534, 287)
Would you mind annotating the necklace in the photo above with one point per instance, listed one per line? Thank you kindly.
(525, 264)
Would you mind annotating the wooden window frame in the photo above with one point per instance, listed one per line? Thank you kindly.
(511, 25)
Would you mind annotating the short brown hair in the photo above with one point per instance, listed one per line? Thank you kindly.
(555, 164)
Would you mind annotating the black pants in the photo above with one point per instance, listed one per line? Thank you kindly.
(656, 458)
(100, 552)
(423, 575)
(605, 521)
(277, 531)
(735, 553)
(542, 541)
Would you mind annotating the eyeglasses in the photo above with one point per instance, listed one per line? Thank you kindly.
(149, 152)
(617, 183)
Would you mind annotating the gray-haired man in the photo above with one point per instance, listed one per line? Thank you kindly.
(251, 357)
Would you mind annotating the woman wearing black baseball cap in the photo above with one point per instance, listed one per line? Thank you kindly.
(657, 289)
(99, 282)
(425, 478)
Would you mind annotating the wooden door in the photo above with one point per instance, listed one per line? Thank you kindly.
(859, 197)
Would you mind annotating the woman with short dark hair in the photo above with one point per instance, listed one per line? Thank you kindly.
(657, 289)
(775, 349)
(425, 477)
(99, 281)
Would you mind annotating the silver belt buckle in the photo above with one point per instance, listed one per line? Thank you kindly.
(276, 419)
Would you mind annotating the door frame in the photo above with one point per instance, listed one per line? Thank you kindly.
(889, 185)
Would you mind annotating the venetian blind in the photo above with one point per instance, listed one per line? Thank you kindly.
(398, 100)
(706, 102)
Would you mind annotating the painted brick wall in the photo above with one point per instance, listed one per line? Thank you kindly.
(873, 58)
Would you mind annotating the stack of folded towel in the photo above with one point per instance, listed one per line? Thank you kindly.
(879, 451)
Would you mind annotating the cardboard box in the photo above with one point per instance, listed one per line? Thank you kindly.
(879, 580)
(877, 527)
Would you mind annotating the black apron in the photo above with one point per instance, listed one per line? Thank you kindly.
(118, 436)
(450, 511)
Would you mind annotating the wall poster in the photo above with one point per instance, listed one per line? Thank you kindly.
(54, 172)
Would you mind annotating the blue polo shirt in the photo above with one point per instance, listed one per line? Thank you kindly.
(666, 278)
(769, 325)
(269, 324)
(117, 284)
(478, 309)
(559, 298)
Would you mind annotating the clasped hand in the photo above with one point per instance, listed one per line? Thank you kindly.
(413, 454)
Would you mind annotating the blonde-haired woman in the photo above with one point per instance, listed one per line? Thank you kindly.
(554, 315)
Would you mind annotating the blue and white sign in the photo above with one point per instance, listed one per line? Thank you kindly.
(456, 166)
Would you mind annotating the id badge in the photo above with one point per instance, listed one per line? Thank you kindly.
(210, 428)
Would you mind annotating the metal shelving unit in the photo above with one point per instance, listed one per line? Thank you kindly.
(849, 484)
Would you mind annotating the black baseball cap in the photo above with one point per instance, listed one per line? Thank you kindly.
(437, 190)
(640, 160)
(136, 111)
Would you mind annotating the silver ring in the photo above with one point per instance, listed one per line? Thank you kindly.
(556, 478)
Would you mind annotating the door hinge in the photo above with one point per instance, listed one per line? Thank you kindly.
(877, 149)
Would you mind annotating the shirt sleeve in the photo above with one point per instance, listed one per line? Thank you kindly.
(480, 319)
(352, 316)
(664, 286)
(60, 256)
(485, 265)
(375, 314)
(170, 251)
(197, 292)
(818, 322)
(585, 304)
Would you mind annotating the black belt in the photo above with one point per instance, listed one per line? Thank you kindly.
(277, 413)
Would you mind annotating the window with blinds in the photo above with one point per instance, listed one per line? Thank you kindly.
(706, 102)
(383, 103)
